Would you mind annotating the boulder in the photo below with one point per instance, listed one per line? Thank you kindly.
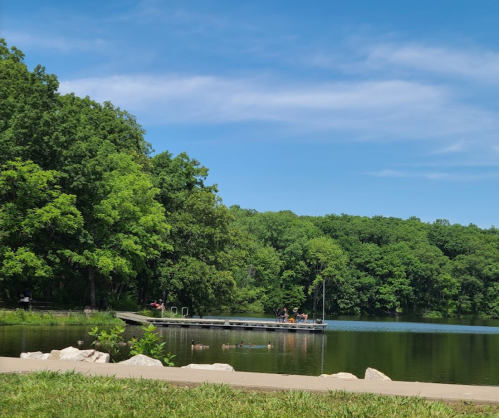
(142, 360)
(70, 354)
(90, 356)
(54, 355)
(373, 374)
(340, 375)
(215, 366)
(99, 357)
(37, 355)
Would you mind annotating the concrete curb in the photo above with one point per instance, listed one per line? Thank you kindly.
(261, 381)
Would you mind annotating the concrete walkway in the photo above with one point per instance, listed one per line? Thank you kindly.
(260, 381)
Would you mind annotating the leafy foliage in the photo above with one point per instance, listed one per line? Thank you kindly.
(150, 345)
(111, 342)
(86, 212)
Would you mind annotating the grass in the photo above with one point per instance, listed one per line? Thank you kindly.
(22, 317)
(50, 394)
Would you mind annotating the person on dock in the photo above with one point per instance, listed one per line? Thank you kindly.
(299, 316)
(283, 314)
(161, 306)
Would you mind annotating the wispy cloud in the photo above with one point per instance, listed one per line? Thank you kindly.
(389, 173)
(369, 110)
(32, 40)
(455, 147)
(479, 65)
(436, 175)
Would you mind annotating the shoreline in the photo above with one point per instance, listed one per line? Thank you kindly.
(261, 381)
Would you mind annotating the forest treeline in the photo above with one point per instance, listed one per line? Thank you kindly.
(88, 210)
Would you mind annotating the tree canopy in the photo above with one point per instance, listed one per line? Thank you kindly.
(87, 211)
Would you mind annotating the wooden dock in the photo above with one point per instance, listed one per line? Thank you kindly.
(234, 324)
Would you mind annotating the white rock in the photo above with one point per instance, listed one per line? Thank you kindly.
(99, 357)
(340, 375)
(75, 354)
(214, 366)
(38, 355)
(141, 360)
(70, 354)
(373, 374)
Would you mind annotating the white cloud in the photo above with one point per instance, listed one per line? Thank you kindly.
(370, 110)
(389, 173)
(25, 40)
(479, 65)
(435, 175)
(455, 147)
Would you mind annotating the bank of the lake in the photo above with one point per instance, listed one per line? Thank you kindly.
(28, 317)
(46, 394)
(457, 353)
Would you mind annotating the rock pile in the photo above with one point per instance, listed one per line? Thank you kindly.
(142, 360)
(70, 354)
(215, 366)
(93, 356)
(370, 374)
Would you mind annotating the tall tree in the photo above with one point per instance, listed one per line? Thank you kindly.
(199, 237)
(327, 263)
(126, 227)
(36, 222)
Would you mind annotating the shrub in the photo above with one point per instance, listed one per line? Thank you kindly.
(150, 345)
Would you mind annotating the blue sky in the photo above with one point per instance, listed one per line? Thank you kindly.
(359, 107)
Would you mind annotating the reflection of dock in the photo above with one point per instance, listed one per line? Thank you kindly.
(234, 324)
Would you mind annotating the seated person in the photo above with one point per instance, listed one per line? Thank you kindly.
(299, 317)
(161, 306)
(24, 301)
(154, 305)
(283, 314)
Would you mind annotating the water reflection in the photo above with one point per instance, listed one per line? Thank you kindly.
(427, 327)
(444, 353)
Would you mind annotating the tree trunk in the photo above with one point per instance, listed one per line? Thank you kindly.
(91, 283)
(314, 305)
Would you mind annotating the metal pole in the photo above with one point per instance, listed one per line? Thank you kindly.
(323, 299)
(322, 352)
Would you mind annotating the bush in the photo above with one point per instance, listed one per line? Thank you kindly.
(433, 314)
(110, 342)
(150, 345)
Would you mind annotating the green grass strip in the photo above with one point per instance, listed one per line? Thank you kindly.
(22, 317)
(50, 394)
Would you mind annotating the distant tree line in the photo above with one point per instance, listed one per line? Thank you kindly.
(86, 210)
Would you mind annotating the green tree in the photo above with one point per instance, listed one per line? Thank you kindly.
(194, 271)
(28, 104)
(126, 227)
(327, 263)
(36, 219)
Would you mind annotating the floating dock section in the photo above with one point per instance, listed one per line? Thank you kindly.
(235, 324)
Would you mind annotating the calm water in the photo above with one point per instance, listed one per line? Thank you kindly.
(442, 351)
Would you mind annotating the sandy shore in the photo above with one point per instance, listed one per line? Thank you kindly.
(261, 381)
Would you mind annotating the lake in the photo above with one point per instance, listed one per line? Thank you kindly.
(440, 351)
